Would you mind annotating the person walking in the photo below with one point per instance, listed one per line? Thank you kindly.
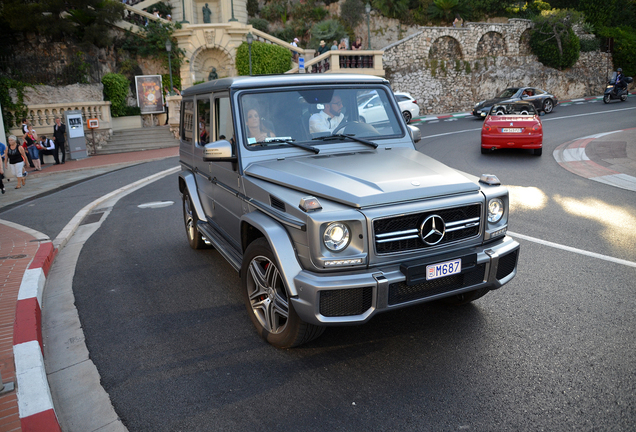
(3, 151)
(15, 160)
(59, 132)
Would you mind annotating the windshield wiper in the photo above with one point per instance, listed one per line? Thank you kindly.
(349, 136)
(286, 141)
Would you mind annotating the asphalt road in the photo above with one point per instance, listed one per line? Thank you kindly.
(553, 350)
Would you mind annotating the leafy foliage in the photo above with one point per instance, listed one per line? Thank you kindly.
(266, 59)
(259, 24)
(85, 21)
(352, 12)
(77, 69)
(447, 10)
(7, 103)
(624, 55)
(152, 44)
(588, 45)
(553, 41)
(328, 31)
(275, 10)
(392, 8)
(116, 91)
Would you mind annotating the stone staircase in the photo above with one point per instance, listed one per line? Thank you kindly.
(129, 140)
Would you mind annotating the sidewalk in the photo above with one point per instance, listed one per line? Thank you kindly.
(26, 255)
(25, 258)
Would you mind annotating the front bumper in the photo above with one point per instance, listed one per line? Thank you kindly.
(353, 298)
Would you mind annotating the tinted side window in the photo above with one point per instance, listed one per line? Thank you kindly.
(187, 115)
(223, 119)
(203, 125)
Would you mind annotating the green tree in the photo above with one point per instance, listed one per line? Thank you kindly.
(552, 39)
(328, 31)
(352, 12)
(392, 8)
(447, 10)
(85, 21)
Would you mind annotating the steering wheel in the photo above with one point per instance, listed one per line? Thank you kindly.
(342, 125)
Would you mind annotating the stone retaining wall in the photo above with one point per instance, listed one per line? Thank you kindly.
(450, 69)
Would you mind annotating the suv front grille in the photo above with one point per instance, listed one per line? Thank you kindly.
(401, 292)
(402, 233)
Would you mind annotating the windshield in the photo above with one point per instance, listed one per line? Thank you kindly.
(509, 92)
(289, 117)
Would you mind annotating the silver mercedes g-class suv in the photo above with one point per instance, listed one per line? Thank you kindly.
(311, 187)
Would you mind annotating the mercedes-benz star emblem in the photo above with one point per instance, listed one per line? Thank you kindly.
(432, 230)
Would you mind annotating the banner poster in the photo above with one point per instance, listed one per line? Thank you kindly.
(149, 94)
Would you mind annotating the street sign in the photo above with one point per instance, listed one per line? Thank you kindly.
(301, 64)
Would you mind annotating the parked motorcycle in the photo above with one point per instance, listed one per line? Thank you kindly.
(615, 93)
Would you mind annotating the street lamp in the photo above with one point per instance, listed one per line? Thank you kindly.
(169, 49)
(232, 5)
(367, 9)
(183, 19)
(250, 39)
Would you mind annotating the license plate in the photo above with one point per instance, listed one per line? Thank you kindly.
(511, 130)
(447, 268)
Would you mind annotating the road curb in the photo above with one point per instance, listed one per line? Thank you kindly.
(35, 404)
(572, 157)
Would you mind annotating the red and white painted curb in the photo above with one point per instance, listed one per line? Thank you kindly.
(35, 404)
(572, 157)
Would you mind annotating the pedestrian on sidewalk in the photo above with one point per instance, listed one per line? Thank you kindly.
(3, 149)
(48, 148)
(30, 139)
(16, 157)
(59, 131)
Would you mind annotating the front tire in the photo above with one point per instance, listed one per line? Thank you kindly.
(190, 221)
(606, 98)
(485, 150)
(267, 300)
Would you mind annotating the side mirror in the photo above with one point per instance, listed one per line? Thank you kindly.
(218, 151)
(416, 133)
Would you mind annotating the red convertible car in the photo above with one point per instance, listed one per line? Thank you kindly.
(512, 125)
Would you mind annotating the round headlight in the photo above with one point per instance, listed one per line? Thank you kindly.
(495, 210)
(336, 236)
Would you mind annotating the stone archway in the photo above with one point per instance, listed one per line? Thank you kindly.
(491, 44)
(446, 48)
(524, 43)
(204, 59)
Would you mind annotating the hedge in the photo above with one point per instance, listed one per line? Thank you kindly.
(267, 59)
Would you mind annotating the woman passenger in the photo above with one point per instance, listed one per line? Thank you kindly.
(254, 127)
(15, 160)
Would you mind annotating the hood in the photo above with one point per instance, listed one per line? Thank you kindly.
(366, 178)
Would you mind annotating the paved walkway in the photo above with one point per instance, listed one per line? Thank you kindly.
(26, 256)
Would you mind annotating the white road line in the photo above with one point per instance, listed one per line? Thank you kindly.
(575, 250)
(451, 133)
(588, 114)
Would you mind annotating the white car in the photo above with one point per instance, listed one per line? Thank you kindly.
(371, 109)
(408, 105)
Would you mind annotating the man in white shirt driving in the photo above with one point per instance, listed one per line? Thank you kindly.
(329, 118)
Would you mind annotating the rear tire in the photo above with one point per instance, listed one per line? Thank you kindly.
(548, 106)
(267, 300)
(485, 151)
(623, 97)
(464, 298)
(190, 221)
(538, 152)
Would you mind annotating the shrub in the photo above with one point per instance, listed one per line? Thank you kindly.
(266, 59)
(552, 39)
(275, 10)
(252, 8)
(116, 91)
(259, 24)
(624, 54)
(588, 45)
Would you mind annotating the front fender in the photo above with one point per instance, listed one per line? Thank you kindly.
(187, 183)
(281, 245)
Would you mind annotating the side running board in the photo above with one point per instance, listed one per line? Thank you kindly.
(222, 246)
